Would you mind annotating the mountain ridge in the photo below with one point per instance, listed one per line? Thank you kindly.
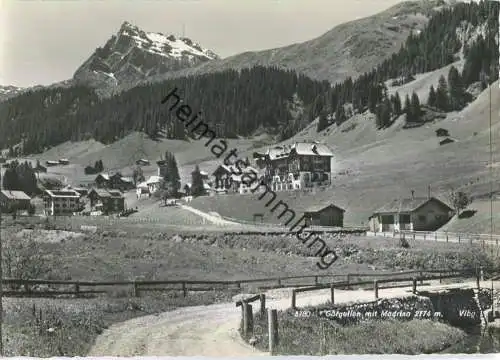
(133, 54)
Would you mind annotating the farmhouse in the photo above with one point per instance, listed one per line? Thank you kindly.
(142, 189)
(108, 201)
(154, 183)
(63, 162)
(324, 215)
(61, 202)
(102, 181)
(13, 199)
(229, 178)
(115, 181)
(414, 214)
(297, 166)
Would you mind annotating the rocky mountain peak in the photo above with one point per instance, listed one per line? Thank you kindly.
(132, 54)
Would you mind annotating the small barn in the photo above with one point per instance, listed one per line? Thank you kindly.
(446, 141)
(442, 132)
(413, 214)
(324, 215)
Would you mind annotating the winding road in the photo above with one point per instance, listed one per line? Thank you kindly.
(212, 330)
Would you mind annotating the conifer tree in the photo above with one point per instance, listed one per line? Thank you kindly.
(442, 100)
(415, 107)
(340, 114)
(197, 187)
(456, 90)
(431, 101)
(322, 122)
(407, 109)
(397, 104)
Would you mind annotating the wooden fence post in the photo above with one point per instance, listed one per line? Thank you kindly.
(184, 289)
(247, 319)
(435, 236)
(348, 281)
(424, 236)
(279, 282)
(262, 304)
(134, 289)
(446, 237)
(332, 294)
(77, 289)
(316, 280)
(272, 319)
(293, 298)
(375, 287)
(414, 290)
(421, 278)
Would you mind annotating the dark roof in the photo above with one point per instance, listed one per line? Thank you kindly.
(102, 193)
(318, 207)
(407, 205)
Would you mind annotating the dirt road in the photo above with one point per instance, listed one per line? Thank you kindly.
(212, 330)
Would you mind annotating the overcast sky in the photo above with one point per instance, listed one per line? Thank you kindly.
(44, 41)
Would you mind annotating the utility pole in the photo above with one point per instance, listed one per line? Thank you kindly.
(1, 277)
(491, 173)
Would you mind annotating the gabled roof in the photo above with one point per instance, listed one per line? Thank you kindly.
(321, 206)
(154, 179)
(102, 193)
(407, 205)
(300, 148)
(105, 176)
(68, 193)
(311, 149)
(15, 195)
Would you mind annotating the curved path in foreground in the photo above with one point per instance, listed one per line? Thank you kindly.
(212, 330)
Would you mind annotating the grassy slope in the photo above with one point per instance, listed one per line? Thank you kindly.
(386, 164)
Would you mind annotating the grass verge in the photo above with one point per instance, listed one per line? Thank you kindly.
(313, 336)
(69, 327)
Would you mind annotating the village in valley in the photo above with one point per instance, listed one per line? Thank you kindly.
(299, 167)
(361, 217)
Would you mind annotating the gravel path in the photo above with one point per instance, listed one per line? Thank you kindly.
(212, 330)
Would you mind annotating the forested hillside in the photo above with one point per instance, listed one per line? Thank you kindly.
(233, 103)
(438, 45)
(238, 103)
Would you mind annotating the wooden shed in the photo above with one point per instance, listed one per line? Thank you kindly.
(324, 215)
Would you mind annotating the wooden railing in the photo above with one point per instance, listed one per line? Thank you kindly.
(50, 288)
(442, 236)
(395, 282)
